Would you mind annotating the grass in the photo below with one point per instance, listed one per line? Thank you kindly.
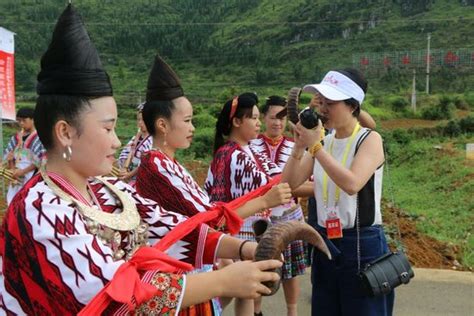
(435, 184)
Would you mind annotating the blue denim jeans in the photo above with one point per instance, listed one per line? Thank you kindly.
(336, 285)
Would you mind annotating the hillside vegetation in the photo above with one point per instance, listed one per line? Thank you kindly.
(218, 46)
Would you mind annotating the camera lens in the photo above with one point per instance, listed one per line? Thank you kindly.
(309, 118)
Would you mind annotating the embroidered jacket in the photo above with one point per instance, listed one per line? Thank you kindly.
(52, 264)
(144, 144)
(31, 144)
(234, 172)
(167, 182)
(278, 153)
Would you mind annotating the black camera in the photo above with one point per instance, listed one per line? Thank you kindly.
(309, 118)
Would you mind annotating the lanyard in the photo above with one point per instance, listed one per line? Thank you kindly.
(343, 162)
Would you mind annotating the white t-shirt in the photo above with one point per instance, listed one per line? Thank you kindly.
(369, 196)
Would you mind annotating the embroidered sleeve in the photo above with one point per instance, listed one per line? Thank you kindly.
(217, 182)
(144, 145)
(209, 181)
(284, 152)
(168, 301)
(170, 185)
(212, 243)
(190, 249)
(245, 176)
(51, 263)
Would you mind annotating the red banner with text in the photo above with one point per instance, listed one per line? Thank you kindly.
(7, 73)
(7, 85)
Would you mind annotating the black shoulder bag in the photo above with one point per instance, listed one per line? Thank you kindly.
(385, 273)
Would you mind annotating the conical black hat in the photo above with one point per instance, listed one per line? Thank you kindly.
(71, 65)
(163, 82)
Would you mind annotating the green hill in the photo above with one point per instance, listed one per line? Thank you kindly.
(261, 45)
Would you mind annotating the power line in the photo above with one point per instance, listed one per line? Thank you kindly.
(251, 23)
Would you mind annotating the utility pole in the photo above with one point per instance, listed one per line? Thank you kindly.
(428, 62)
(413, 92)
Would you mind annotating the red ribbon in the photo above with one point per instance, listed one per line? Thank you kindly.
(233, 221)
(233, 108)
(126, 283)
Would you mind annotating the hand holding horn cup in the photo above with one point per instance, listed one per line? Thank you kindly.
(278, 195)
(309, 115)
(278, 237)
(245, 279)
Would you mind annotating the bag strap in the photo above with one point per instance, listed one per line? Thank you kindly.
(359, 142)
(399, 244)
(358, 233)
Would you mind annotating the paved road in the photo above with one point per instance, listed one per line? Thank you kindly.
(430, 293)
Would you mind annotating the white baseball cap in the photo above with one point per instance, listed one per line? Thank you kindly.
(337, 87)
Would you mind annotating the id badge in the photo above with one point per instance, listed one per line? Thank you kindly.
(333, 223)
(333, 228)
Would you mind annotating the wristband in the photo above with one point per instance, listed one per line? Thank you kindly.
(315, 148)
(242, 247)
(323, 134)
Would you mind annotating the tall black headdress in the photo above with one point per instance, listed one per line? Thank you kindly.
(163, 82)
(71, 65)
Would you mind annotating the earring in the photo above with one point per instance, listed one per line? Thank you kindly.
(67, 154)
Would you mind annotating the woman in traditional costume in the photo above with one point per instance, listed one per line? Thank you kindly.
(168, 117)
(235, 169)
(274, 144)
(70, 240)
(130, 156)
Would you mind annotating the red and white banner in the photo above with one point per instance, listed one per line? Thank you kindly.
(7, 73)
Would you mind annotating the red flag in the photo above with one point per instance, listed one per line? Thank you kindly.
(406, 60)
(451, 58)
